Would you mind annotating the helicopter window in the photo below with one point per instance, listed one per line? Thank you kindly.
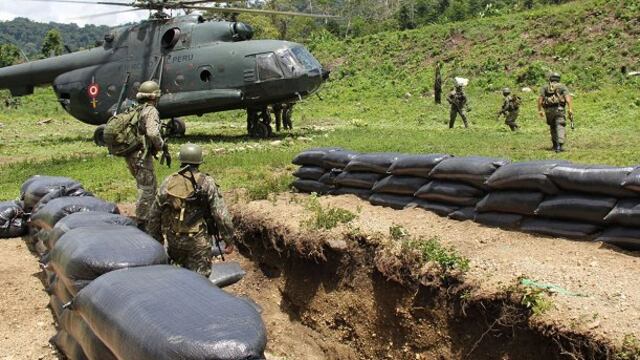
(304, 57)
(290, 64)
(170, 38)
(205, 76)
(268, 68)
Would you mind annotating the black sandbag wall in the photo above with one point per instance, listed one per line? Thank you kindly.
(82, 241)
(550, 197)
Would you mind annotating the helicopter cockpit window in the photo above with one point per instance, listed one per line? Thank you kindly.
(305, 58)
(170, 38)
(289, 63)
(268, 68)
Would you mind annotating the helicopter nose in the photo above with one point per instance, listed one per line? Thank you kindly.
(325, 74)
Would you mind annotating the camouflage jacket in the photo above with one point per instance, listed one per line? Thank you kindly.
(458, 99)
(149, 126)
(511, 103)
(554, 94)
(176, 210)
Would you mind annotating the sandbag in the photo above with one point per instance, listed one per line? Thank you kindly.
(85, 219)
(329, 178)
(47, 216)
(38, 186)
(312, 157)
(226, 273)
(56, 306)
(416, 165)
(400, 185)
(626, 213)
(515, 202)
(76, 190)
(374, 162)
(501, 220)
(474, 170)
(311, 186)
(592, 179)
(74, 325)
(361, 193)
(68, 346)
(622, 237)
(362, 180)
(12, 220)
(83, 254)
(529, 175)
(338, 159)
(59, 290)
(559, 228)
(463, 214)
(438, 208)
(164, 312)
(632, 180)
(450, 192)
(308, 172)
(397, 202)
(579, 207)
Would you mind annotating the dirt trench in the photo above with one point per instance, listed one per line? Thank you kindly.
(333, 294)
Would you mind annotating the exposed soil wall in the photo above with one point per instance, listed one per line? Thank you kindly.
(337, 284)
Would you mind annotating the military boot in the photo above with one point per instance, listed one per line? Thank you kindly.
(559, 148)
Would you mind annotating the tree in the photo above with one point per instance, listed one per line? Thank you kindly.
(9, 55)
(52, 43)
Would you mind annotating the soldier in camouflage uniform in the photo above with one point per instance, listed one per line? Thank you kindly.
(554, 98)
(437, 84)
(510, 109)
(178, 214)
(140, 163)
(458, 101)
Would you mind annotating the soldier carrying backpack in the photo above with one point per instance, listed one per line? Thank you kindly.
(135, 135)
(510, 108)
(554, 99)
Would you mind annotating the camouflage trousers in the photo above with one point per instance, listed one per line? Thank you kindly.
(510, 120)
(142, 170)
(454, 113)
(191, 250)
(556, 119)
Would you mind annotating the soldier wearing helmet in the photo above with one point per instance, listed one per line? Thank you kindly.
(459, 106)
(187, 206)
(553, 101)
(140, 163)
(510, 108)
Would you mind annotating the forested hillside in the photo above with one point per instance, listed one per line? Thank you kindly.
(28, 35)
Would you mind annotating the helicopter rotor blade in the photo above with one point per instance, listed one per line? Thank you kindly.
(194, 2)
(82, 2)
(231, 10)
(105, 14)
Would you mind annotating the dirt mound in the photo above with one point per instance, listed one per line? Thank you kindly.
(27, 324)
(335, 283)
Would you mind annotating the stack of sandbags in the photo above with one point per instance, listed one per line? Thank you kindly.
(44, 218)
(361, 175)
(164, 312)
(318, 168)
(13, 222)
(48, 187)
(80, 256)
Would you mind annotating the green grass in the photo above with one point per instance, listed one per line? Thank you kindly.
(365, 106)
(431, 250)
(325, 217)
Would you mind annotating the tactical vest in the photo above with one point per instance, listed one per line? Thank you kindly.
(552, 96)
(513, 103)
(183, 212)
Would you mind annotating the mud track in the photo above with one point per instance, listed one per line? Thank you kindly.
(356, 299)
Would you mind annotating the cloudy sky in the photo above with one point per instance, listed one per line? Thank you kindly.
(46, 11)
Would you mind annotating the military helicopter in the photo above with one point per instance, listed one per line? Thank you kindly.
(202, 66)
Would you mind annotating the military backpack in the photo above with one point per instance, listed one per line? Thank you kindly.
(121, 135)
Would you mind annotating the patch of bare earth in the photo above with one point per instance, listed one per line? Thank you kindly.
(337, 283)
(26, 324)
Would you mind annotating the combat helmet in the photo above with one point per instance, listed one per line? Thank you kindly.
(149, 90)
(190, 154)
(506, 91)
(554, 76)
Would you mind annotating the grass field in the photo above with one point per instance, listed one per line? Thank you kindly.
(379, 100)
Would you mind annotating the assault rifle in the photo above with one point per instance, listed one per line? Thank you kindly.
(573, 126)
(203, 201)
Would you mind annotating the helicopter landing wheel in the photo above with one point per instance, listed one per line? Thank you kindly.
(176, 127)
(261, 130)
(98, 136)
